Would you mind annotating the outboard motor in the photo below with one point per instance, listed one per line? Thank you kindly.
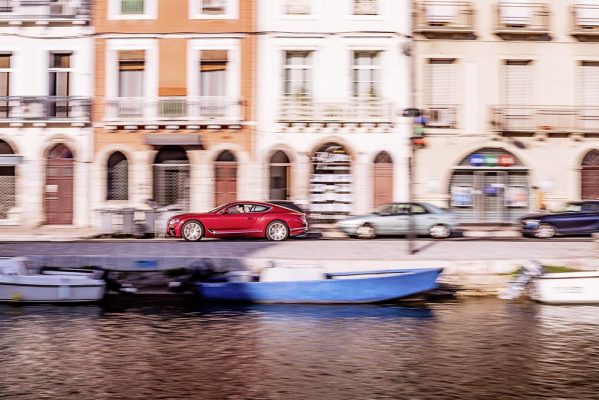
(531, 269)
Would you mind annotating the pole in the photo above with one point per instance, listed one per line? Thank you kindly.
(411, 236)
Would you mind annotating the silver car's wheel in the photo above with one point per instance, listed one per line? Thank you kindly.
(192, 231)
(277, 231)
(545, 231)
(439, 231)
(366, 232)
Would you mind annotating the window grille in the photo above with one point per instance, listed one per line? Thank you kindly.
(118, 177)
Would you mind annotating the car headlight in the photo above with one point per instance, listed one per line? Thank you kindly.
(531, 222)
(173, 221)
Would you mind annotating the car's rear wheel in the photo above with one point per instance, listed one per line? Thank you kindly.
(366, 231)
(277, 231)
(545, 231)
(439, 231)
(192, 231)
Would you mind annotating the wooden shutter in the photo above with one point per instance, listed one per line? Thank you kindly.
(441, 82)
(518, 82)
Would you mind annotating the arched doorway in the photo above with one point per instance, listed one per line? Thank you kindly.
(383, 179)
(330, 183)
(225, 178)
(491, 186)
(58, 193)
(279, 168)
(117, 177)
(7, 180)
(171, 177)
(589, 179)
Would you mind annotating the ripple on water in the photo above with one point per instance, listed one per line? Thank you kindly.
(470, 349)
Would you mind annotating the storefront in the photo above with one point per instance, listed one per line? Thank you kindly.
(489, 186)
(330, 183)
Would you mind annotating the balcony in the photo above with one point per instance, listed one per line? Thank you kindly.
(435, 19)
(585, 22)
(522, 20)
(45, 12)
(45, 110)
(174, 111)
(354, 110)
(545, 120)
(441, 116)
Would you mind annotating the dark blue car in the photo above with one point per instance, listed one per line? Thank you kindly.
(578, 217)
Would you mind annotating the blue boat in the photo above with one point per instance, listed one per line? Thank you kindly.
(309, 285)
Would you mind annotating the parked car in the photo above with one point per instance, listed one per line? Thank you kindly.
(239, 219)
(393, 219)
(578, 217)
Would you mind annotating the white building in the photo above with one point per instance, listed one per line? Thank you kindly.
(46, 60)
(333, 76)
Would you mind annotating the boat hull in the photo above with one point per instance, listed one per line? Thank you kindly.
(342, 288)
(567, 288)
(53, 290)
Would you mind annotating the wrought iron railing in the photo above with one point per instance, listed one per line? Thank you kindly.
(208, 109)
(585, 18)
(214, 7)
(352, 110)
(48, 108)
(441, 116)
(45, 9)
(514, 17)
(562, 119)
(435, 15)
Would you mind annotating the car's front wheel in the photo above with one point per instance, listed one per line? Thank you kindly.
(439, 231)
(545, 231)
(192, 231)
(277, 231)
(366, 231)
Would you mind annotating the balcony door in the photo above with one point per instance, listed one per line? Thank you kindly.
(590, 176)
(383, 179)
(589, 84)
(58, 192)
(131, 79)
(213, 83)
(441, 92)
(517, 94)
(59, 85)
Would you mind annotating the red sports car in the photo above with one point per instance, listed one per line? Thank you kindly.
(240, 218)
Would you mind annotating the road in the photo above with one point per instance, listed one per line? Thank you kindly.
(380, 249)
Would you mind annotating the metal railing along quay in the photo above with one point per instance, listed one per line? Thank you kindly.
(566, 119)
(45, 108)
(176, 109)
(352, 110)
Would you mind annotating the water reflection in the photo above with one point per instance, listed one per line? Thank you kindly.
(469, 350)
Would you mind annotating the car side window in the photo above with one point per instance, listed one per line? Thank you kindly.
(400, 209)
(259, 208)
(418, 209)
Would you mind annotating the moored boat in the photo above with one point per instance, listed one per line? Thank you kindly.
(20, 286)
(307, 284)
(566, 288)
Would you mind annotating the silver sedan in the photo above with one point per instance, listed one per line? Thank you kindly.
(394, 219)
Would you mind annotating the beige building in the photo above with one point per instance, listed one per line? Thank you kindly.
(511, 98)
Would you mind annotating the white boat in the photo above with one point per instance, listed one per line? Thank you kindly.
(554, 288)
(18, 285)
(566, 288)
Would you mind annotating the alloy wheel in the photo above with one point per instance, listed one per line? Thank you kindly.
(440, 232)
(192, 231)
(366, 232)
(545, 231)
(277, 231)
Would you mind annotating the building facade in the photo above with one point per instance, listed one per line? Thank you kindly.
(332, 78)
(510, 92)
(46, 61)
(173, 109)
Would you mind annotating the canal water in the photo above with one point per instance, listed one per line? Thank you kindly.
(467, 349)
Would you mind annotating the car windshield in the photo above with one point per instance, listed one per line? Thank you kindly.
(385, 209)
(217, 209)
(573, 207)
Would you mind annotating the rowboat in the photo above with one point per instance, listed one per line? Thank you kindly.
(308, 284)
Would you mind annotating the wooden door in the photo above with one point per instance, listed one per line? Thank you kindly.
(589, 178)
(225, 182)
(383, 184)
(58, 192)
